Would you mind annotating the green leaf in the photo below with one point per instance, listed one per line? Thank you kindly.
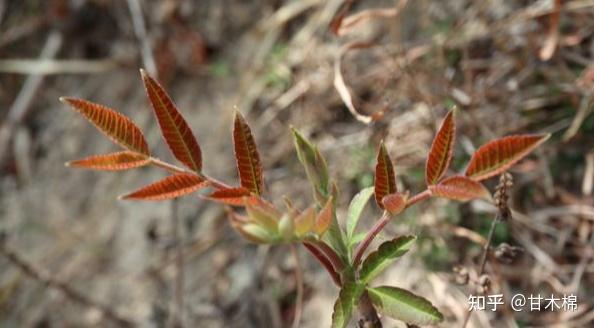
(315, 167)
(403, 305)
(335, 238)
(317, 174)
(387, 253)
(355, 209)
(347, 300)
(357, 239)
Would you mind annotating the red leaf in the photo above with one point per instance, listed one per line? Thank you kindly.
(171, 187)
(246, 155)
(385, 179)
(324, 218)
(395, 203)
(111, 162)
(441, 151)
(499, 155)
(460, 188)
(119, 128)
(175, 129)
(232, 196)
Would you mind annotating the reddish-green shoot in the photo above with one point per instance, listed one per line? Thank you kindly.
(340, 250)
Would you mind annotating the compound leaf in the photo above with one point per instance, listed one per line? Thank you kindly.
(171, 187)
(497, 156)
(175, 129)
(119, 128)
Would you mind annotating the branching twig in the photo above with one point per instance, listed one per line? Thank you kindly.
(22, 103)
(52, 282)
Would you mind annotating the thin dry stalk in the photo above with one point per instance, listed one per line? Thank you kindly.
(550, 45)
(299, 283)
(140, 30)
(340, 84)
(503, 214)
(177, 313)
(22, 103)
(54, 66)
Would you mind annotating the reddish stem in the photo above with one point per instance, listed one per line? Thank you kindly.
(180, 170)
(418, 198)
(377, 227)
(331, 255)
(381, 223)
(325, 262)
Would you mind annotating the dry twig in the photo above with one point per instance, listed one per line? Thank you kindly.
(140, 30)
(177, 313)
(24, 99)
(299, 283)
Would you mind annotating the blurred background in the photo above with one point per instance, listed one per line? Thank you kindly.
(390, 72)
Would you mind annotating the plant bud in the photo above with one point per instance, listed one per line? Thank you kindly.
(257, 234)
(315, 167)
(286, 227)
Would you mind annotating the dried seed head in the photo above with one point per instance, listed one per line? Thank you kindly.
(501, 196)
(484, 284)
(506, 253)
(461, 275)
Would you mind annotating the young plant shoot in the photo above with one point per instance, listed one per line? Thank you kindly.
(340, 248)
